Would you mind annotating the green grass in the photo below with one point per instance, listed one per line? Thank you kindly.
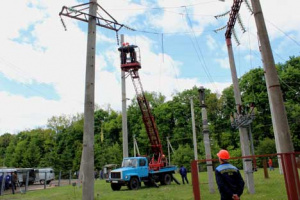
(267, 189)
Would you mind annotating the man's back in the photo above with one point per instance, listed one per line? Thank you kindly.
(229, 181)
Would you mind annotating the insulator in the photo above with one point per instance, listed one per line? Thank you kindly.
(128, 28)
(63, 23)
(235, 37)
(222, 15)
(117, 36)
(248, 6)
(241, 23)
(219, 29)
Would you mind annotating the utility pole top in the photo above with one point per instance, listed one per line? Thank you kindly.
(201, 91)
(233, 16)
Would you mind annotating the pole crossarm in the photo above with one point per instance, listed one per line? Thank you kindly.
(80, 12)
(233, 16)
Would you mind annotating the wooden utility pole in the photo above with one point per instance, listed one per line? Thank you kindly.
(279, 118)
(124, 111)
(244, 139)
(194, 130)
(206, 141)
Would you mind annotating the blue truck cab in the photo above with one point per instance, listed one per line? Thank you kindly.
(135, 170)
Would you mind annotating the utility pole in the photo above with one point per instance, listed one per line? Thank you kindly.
(279, 118)
(194, 130)
(244, 139)
(124, 111)
(206, 140)
(135, 147)
(169, 146)
(87, 158)
(88, 134)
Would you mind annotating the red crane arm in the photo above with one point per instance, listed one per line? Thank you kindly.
(130, 65)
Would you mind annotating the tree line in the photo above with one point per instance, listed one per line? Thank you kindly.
(59, 145)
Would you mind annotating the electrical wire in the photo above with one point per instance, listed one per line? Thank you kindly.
(197, 46)
(20, 73)
(292, 39)
(164, 8)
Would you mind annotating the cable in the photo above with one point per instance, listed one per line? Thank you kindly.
(164, 8)
(199, 49)
(296, 93)
(20, 73)
(284, 33)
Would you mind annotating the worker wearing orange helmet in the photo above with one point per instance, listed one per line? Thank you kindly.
(228, 178)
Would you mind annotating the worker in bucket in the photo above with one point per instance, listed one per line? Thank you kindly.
(228, 178)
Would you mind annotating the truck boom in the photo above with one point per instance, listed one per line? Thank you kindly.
(131, 65)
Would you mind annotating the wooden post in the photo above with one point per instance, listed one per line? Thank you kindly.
(266, 173)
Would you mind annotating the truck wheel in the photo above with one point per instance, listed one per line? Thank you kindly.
(115, 186)
(134, 183)
(166, 179)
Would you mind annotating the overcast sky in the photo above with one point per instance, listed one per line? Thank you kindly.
(42, 66)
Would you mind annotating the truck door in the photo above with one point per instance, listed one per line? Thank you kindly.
(143, 167)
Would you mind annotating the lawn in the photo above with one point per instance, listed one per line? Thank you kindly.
(272, 188)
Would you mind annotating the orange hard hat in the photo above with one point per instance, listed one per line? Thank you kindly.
(223, 154)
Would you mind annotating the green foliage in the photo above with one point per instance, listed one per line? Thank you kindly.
(60, 144)
(183, 156)
(266, 146)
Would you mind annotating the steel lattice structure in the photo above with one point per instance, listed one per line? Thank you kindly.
(79, 12)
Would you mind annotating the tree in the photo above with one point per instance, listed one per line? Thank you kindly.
(183, 156)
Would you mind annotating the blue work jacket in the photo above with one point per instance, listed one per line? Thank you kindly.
(229, 181)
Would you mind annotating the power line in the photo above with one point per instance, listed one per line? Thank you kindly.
(199, 49)
(296, 42)
(166, 7)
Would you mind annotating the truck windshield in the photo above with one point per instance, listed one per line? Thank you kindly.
(129, 163)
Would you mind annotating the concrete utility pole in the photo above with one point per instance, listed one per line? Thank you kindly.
(88, 134)
(169, 153)
(79, 12)
(135, 147)
(244, 139)
(206, 141)
(279, 118)
(124, 111)
(194, 130)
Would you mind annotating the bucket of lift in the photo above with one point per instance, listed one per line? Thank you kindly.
(130, 57)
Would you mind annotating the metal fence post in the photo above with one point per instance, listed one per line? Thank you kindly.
(2, 183)
(70, 177)
(59, 177)
(27, 180)
(291, 176)
(195, 180)
(12, 183)
(45, 180)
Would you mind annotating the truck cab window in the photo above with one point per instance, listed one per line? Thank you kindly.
(142, 162)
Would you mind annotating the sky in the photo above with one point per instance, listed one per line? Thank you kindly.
(42, 66)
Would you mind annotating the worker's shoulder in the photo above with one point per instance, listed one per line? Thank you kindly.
(225, 167)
